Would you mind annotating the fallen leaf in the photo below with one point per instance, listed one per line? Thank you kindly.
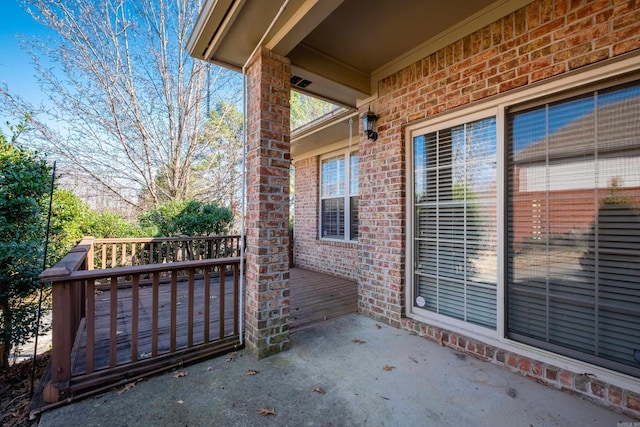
(378, 326)
(127, 388)
(357, 341)
(180, 401)
(267, 411)
(388, 367)
(180, 374)
(210, 368)
(232, 357)
(586, 374)
(252, 372)
(319, 390)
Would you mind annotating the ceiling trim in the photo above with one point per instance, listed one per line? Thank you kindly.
(200, 37)
(224, 27)
(305, 18)
(307, 58)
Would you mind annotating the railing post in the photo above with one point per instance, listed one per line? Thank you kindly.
(62, 342)
(67, 311)
(89, 264)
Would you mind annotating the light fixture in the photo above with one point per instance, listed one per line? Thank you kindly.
(369, 125)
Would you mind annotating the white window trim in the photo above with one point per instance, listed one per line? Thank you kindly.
(497, 107)
(415, 312)
(346, 152)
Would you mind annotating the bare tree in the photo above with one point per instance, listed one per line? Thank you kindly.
(222, 167)
(126, 103)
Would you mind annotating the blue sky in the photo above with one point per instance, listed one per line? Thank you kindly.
(16, 70)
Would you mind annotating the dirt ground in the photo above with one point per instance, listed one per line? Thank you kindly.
(15, 385)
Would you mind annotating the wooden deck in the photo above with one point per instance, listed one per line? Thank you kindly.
(315, 297)
(130, 351)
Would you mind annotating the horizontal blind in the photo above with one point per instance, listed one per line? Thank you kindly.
(573, 221)
(333, 177)
(455, 228)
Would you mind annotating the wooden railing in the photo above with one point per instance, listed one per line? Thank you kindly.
(110, 253)
(119, 322)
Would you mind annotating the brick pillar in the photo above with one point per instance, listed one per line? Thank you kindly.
(267, 222)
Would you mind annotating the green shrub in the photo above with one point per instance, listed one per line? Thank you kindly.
(24, 185)
(189, 217)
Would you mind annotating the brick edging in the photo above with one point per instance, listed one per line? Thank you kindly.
(584, 384)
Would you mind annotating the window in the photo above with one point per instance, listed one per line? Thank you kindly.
(454, 213)
(339, 196)
(573, 224)
(524, 218)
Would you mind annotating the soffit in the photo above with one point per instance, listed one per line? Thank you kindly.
(343, 47)
(336, 44)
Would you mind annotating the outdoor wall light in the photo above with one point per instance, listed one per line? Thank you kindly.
(369, 125)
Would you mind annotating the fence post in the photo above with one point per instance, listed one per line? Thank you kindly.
(67, 311)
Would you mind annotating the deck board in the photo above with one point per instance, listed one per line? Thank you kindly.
(318, 297)
(314, 297)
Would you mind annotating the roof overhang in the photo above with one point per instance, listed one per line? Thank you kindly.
(342, 47)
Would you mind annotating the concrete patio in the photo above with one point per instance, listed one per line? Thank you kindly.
(349, 371)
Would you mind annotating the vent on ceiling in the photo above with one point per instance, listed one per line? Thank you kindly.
(300, 82)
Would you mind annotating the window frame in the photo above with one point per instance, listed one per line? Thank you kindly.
(346, 154)
(563, 98)
(446, 122)
(606, 74)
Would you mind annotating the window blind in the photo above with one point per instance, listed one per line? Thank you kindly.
(573, 225)
(455, 222)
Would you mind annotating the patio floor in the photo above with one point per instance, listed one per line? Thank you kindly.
(349, 371)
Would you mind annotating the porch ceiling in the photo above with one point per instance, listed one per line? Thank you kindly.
(341, 46)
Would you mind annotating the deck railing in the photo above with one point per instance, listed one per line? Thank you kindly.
(177, 303)
(110, 253)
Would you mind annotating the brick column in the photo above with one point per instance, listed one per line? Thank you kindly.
(268, 160)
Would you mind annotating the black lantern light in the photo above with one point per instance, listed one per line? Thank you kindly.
(369, 125)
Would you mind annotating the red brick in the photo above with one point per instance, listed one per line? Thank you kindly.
(453, 339)
(551, 374)
(633, 401)
(599, 389)
(471, 347)
(537, 369)
(566, 379)
(590, 58)
(267, 278)
(615, 395)
(524, 364)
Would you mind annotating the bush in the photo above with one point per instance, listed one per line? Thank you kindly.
(72, 219)
(24, 186)
(190, 217)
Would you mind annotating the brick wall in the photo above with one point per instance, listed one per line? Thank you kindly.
(544, 39)
(268, 160)
(336, 258)
(382, 222)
